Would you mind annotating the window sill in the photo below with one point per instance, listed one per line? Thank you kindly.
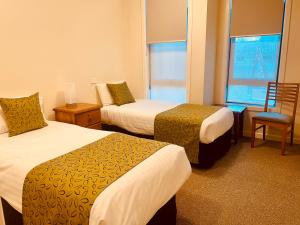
(253, 108)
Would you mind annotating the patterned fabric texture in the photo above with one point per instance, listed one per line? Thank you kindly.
(181, 126)
(120, 93)
(63, 190)
(22, 114)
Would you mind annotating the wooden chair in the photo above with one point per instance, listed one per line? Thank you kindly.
(284, 93)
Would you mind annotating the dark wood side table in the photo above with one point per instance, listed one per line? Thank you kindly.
(238, 113)
(82, 114)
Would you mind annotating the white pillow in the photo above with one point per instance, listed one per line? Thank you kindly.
(104, 93)
(3, 125)
(41, 99)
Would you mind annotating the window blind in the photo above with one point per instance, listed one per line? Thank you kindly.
(256, 17)
(168, 71)
(166, 20)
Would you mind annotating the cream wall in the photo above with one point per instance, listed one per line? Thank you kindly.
(44, 44)
(222, 52)
(135, 61)
(197, 46)
(292, 67)
(211, 51)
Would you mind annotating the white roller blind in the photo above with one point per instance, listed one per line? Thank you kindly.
(166, 20)
(256, 17)
(168, 71)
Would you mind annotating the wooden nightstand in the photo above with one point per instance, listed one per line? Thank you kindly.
(82, 114)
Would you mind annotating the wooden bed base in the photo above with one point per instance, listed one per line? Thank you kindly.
(166, 215)
(208, 153)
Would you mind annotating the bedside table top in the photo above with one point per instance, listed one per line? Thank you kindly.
(78, 108)
(237, 108)
(234, 108)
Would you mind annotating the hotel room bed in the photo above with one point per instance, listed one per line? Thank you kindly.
(138, 118)
(154, 181)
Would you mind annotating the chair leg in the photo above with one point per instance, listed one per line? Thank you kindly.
(253, 133)
(264, 132)
(292, 134)
(283, 140)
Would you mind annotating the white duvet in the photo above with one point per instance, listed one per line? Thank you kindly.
(138, 117)
(132, 199)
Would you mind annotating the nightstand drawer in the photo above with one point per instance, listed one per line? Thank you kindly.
(96, 126)
(82, 114)
(64, 117)
(88, 118)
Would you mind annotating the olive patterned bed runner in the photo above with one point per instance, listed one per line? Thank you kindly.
(181, 126)
(63, 190)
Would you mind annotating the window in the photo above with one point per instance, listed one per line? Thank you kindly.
(255, 44)
(168, 71)
(166, 38)
(253, 62)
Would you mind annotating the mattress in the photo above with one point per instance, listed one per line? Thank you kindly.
(138, 117)
(154, 181)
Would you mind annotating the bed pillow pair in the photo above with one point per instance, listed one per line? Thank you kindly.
(114, 93)
(22, 114)
(104, 94)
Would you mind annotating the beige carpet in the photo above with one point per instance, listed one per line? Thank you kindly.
(247, 186)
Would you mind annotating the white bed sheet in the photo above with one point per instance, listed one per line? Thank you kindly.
(138, 117)
(132, 199)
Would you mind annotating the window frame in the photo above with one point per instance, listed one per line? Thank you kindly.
(259, 83)
(248, 82)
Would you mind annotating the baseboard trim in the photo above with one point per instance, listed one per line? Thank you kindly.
(273, 137)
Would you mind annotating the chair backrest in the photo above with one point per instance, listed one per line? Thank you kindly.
(285, 93)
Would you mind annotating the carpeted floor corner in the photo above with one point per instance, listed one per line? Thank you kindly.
(247, 186)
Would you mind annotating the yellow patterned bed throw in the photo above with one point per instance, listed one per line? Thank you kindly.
(63, 190)
(181, 126)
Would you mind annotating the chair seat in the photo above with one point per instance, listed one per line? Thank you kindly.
(274, 117)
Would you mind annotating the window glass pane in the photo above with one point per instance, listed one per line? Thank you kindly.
(171, 94)
(256, 57)
(248, 94)
(253, 62)
(168, 71)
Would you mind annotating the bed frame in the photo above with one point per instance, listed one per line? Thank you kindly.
(166, 215)
(208, 153)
